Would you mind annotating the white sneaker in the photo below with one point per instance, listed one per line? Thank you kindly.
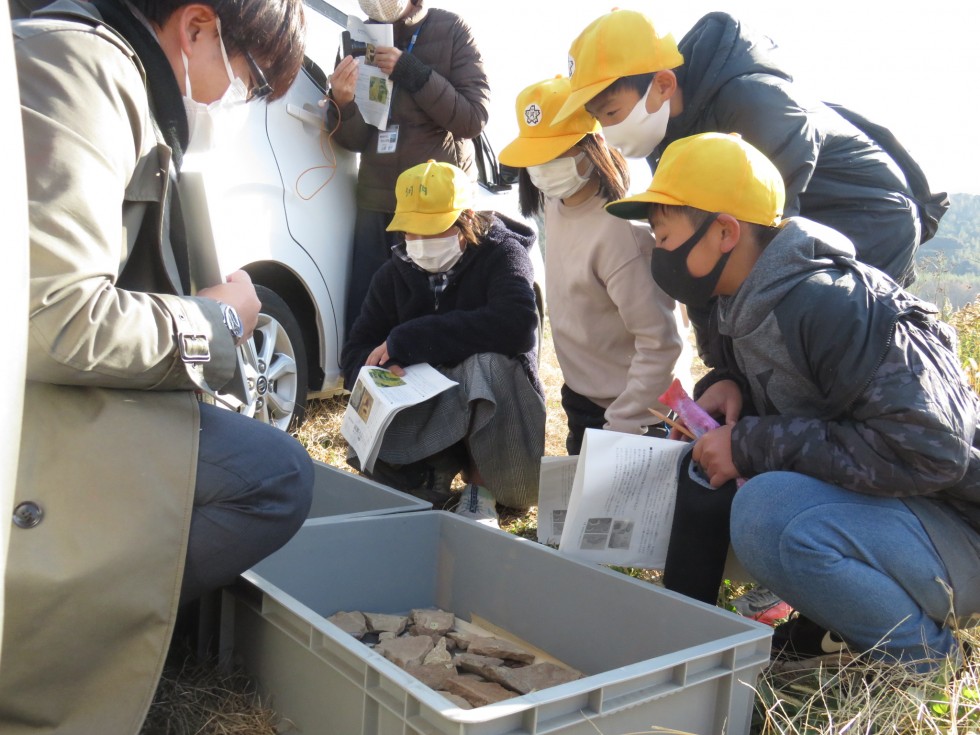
(477, 504)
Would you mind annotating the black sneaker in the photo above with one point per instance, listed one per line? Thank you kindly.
(801, 638)
(430, 479)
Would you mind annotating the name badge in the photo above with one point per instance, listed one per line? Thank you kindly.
(388, 139)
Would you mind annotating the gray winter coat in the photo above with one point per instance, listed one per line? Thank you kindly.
(857, 383)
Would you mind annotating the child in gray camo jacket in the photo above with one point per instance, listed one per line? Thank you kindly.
(862, 505)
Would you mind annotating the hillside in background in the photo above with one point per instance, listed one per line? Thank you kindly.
(949, 264)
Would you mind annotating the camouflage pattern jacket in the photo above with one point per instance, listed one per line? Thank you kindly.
(857, 383)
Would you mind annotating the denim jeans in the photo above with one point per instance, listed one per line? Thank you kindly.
(253, 492)
(860, 565)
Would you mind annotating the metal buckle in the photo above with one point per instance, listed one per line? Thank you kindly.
(193, 347)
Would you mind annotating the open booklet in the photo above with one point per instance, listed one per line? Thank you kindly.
(378, 395)
(614, 503)
(373, 90)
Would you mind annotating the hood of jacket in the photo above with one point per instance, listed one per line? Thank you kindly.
(717, 49)
(801, 247)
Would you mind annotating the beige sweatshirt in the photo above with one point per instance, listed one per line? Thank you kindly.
(619, 338)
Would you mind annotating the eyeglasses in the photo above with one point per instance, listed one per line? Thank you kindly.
(262, 87)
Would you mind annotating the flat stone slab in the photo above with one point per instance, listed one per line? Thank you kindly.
(381, 623)
(433, 676)
(406, 651)
(476, 664)
(477, 693)
(499, 648)
(350, 622)
(533, 678)
(461, 638)
(432, 622)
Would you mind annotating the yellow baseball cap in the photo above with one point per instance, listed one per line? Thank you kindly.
(429, 198)
(716, 172)
(539, 138)
(618, 44)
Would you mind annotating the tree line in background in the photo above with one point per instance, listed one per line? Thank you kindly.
(949, 264)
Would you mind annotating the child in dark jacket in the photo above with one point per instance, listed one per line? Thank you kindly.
(862, 507)
(458, 295)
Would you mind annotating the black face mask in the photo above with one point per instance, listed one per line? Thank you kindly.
(669, 268)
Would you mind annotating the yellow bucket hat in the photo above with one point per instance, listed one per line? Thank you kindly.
(430, 197)
(539, 138)
(716, 172)
(618, 44)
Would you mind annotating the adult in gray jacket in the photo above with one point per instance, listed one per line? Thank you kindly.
(440, 102)
(862, 505)
(132, 496)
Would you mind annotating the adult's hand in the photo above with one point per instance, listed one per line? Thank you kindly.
(379, 356)
(343, 81)
(385, 58)
(713, 452)
(239, 293)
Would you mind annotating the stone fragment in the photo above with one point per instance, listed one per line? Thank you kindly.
(350, 622)
(439, 655)
(460, 638)
(386, 636)
(475, 664)
(499, 648)
(381, 623)
(533, 678)
(477, 693)
(433, 676)
(434, 623)
(406, 651)
(456, 699)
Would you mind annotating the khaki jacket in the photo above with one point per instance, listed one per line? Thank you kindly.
(109, 440)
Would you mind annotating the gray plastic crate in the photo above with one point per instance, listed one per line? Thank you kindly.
(653, 659)
(339, 494)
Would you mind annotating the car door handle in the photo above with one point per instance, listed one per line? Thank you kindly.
(306, 116)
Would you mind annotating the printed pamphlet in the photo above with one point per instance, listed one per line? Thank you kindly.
(373, 90)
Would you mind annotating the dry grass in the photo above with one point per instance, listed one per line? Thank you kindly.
(830, 697)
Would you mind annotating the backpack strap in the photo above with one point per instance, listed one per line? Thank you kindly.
(932, 206)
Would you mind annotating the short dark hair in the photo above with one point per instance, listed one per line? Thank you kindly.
(614, 177)
(272, 31)
(762, 234)
(637, 82)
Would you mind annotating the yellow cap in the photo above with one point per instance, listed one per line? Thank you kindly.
(714, 172)
(618, 44)
(539, 138)
(430, 197)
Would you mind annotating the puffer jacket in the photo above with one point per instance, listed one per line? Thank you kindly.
(732, 82)
(440, 102)
(857, 383)
(485, 303)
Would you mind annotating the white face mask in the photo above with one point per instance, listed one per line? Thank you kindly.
(435, 254)
(383, 11)
(210, 124)
(641, 131)
(560, 178)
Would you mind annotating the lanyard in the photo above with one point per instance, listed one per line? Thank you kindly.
(415, 37)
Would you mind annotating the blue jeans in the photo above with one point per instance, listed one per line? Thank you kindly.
(254, 489)
(860, 565)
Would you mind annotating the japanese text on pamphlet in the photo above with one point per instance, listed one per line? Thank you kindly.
(378, 395)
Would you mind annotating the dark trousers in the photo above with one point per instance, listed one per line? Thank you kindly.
(583, 414)
(372, 247)
(253, 492)
(699, 537)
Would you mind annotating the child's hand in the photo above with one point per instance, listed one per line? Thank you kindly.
(713, 452)
(723, 399)
(379, 356)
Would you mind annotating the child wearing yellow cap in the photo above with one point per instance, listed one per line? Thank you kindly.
(862, 505)
(647, 91)
(456, 294)
(619, 339)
